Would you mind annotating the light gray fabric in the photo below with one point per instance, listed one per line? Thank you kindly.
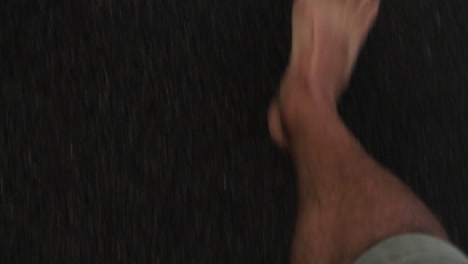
(413, 249)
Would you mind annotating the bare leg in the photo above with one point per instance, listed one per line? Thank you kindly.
(347, 201)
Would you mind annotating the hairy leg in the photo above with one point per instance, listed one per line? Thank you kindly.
(347, 201)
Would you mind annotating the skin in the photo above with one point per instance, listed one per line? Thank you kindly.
(347, 201)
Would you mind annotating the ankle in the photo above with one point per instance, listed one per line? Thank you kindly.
(303, 101)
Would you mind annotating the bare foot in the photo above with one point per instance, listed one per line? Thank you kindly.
(327, 34)
(326, 38)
